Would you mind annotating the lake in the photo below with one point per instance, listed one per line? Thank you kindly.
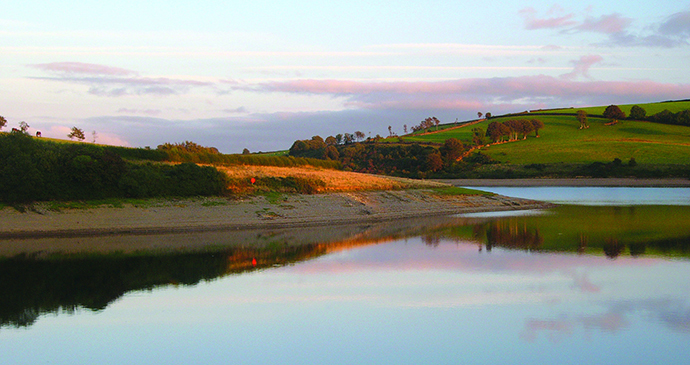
(603, 279)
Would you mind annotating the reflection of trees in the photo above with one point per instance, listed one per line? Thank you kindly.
(431, 240)
(30, 287)
(637, 249)
(612, 248)
(512, 233)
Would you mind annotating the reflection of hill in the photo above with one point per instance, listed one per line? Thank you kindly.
(613, 231)
(36, 283)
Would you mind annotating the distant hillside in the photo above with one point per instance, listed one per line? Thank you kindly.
(651, 108)
(636, 148)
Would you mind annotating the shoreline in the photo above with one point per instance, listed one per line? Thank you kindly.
(254, 213)
(571, 182)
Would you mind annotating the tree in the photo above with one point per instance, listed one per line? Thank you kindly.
(94, 135)
(23, 126)
(390, 131)
(360, 135)
(437, 122)
(479, 115)
(405, 128)
(332, 153)
(339, 138)
(527, 127)
(537, 124)
(488, 115)
(3, 121)
(245, 151)
(478, 137)
(434, 162)
(582, 118)
(331, 141)
(76, 133)
(637, 113)
(614, 113)
(494, 131)
(451, 150)
(515, 128)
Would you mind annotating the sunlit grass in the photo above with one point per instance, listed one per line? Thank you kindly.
(561, 140)
(650, 108)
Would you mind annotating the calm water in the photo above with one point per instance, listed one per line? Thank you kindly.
(573, 285)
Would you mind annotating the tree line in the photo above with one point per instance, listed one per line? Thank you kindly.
(34, 170)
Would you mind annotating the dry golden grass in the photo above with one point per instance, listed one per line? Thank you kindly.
(334, 180)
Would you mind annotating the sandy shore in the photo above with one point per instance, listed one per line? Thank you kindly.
(220, 214)
(606, 182)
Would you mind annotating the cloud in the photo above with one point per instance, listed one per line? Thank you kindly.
(673, 313)
(607, 24)
(463, 94)
(83, 68)
(238, 110)
(115, 82)
(139, 111)
(582, 67)
(532, 22)
(677, 24)
(674, 31)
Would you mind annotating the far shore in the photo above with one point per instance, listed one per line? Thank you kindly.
(574, 182)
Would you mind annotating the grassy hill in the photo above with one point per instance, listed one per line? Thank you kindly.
(561, 140)
(651, 108)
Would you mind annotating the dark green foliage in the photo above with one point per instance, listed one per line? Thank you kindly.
(614, 113)
(478, 137)
(315, 147)
(451, 150)
(667, 117)
(34, 170)
(637, 113)
(395, 159)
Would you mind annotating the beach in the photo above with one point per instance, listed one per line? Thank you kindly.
(247, 213)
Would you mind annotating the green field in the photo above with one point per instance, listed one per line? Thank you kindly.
(650, 108)
(561, 140)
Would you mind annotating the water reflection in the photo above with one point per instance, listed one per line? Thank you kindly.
(37, 282)
(579, 284)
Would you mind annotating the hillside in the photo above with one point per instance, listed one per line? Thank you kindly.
(656, 149)
(562, 141)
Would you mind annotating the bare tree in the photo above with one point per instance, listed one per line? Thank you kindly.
(93, 135)
(23, 126)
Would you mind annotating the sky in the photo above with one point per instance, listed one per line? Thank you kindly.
(262, 74)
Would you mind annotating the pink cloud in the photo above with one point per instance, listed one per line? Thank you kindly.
(83, 68)
(470, 94)
(582, 66)
(607, 24)
(532, 22)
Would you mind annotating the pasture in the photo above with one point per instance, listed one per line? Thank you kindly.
(561, 140)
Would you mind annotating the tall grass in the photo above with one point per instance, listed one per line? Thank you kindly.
(177, 155)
